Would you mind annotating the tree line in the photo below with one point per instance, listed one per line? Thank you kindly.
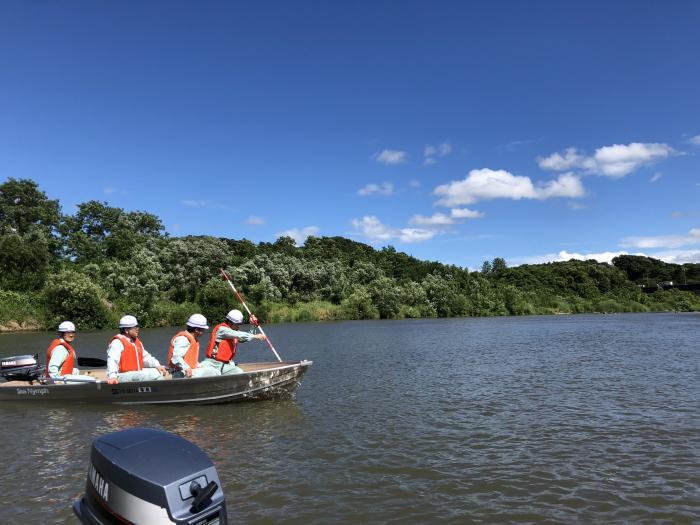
(101, 262)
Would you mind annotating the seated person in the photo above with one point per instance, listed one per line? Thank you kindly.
(183, 355)
(127, 360)
(61, 358)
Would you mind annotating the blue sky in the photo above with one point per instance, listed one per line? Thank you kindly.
(454, 131)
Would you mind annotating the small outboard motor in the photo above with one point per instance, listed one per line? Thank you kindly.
(150, 477)
(20, 368)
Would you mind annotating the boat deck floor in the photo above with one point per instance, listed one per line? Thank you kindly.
(101, 374)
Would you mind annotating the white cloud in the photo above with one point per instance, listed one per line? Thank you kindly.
(444, 149)
(390, 156)
(669, 256)
(614, 161)
(437, 219)
(440, 220)
(563, 255)
(485, 184)
(663, 241)
(430, 152)
(372, 229)
(678, 256)
(695, 140)
(570, 159)
(465, 213)
(385, 188)
(109, 190)
(299, 234)
(414, 184)
(255, 220)
(656, 176)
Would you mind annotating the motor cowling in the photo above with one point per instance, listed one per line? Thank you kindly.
(20, 368)
(145, 476)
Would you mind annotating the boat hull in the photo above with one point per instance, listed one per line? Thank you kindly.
(259, 381)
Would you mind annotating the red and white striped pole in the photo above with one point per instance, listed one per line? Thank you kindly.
(269, 343)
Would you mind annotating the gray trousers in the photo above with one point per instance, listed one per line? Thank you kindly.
(225, 369)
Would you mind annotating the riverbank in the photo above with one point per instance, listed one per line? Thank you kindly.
(33, 317)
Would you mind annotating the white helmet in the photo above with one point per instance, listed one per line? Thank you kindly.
(197, 321)
(66, 326)
(235, 316)
(128, 321)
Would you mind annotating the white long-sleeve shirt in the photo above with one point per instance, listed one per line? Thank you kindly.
(114, 353)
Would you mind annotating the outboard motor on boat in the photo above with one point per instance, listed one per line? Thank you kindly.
(21, 368)
(145, 476)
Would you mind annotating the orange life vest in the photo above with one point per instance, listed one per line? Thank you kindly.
(132, 355)
(67, 366)
(192, 354)
(225, 351)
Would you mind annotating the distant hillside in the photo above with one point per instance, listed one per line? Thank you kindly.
(102, 262)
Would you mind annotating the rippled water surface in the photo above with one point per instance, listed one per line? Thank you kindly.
(562, 419)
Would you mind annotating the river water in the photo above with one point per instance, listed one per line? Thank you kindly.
(553, 419)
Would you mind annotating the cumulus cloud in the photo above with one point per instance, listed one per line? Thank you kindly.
(385, 188)
(255, 220)
(614, 161)
(440, 220)
(678, 256)
(564, 255)
(437, 219)
(390, 156)
(465, 213)
(695, 140)
(663, 241)
(669, 256)
(299, 234)
(371, 228)
(486, 184)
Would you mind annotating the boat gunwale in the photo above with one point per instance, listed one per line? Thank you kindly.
(305, 363)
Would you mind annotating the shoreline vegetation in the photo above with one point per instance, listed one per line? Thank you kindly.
(102, 262)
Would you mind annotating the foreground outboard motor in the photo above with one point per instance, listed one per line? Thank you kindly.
(150, 477)
(20, 368)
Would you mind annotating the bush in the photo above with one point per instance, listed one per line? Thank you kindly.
(166, 313)
(18, 310)
(359, 306)
(73, 296)
(216, 299)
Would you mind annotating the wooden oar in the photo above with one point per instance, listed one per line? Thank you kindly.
(269, 343)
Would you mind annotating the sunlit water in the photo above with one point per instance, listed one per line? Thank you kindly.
(562, 419)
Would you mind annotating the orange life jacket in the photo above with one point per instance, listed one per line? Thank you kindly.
(67, 366)
(132, 355)
(225, 351)
(192, 354)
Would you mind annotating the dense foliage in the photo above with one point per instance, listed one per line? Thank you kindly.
(102, 262)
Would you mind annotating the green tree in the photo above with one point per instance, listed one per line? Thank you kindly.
(73, 296)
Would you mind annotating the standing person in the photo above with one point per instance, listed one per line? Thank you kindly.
(224, 340)
(183, 354)
(127, 360)
(61, 358)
